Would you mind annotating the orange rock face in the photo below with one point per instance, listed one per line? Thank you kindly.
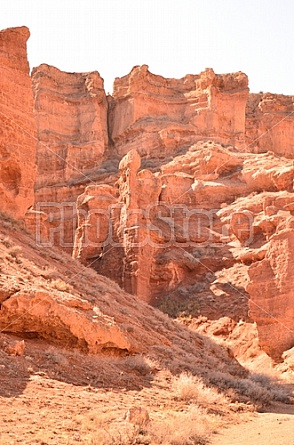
(270, 123)
(152, 233)
(173, 188)
(71, 115)
(17, 125)
(174, 113)
(272, 296)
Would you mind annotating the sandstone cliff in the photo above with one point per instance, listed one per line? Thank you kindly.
(270, 123)
(271, 291)
(17, 124)
(71, 117)
(158, 116)
(174, 188)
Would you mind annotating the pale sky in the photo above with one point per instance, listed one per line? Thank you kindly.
(173, 37)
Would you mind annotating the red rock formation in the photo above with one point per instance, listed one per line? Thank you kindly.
(112, 233)
(95, 236)
(158, 222)
(205, 184)
(175, 113)
(139, 195)
(270, 123)
(17, 124)
(75, 320)
(271, 292)
(71, 114)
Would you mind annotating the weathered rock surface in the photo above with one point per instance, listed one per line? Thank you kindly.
(71, 115)
(64, 318)
(173, 188)
(270, 123)
(17, 125)
(174, 113)
(271, 293)
(58, 300)
(168, 230)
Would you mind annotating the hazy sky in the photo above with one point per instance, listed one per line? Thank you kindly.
(173, 37)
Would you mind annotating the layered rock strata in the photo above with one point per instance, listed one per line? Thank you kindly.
(158, 116)
(174, 188)
(271, 290)
(71, 116)
(17, 125)
(270, 124)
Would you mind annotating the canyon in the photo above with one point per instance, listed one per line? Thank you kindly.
(162, 187)
(169, 199)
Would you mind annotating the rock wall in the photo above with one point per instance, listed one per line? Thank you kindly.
(157, 116)
(270, 123)
(17, 125)
(71, 116)
(173, 188)
(272, 295)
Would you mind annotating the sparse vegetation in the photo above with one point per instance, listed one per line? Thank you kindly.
(189, 388)
(190, 427)
(14, 251)
(258, 389)
(141, 364)
(12, 224)
(62, 286)
(185, 380)
(6, 241)
(177, 307)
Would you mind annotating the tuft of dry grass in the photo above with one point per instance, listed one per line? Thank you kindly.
(189, 388)
(258, 389)
(14, 252)
(182, 428)
(191, 427)
(141, 364)
(62, 285)
(6, 241)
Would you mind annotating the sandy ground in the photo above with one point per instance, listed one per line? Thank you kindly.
(270, 428)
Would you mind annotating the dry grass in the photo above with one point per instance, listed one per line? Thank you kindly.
(182, 428)
(191, 427)
(189, 388)
(258, 389)
(6, 241)
(62, 286)
(14, 251)
(141, 364)
(280, 393)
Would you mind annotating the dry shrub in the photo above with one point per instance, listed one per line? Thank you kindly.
(6, 241)
(62, 285)
(279, 391)
(127, 435)
(178, 428)
(181, 428)
(141, 364)
(190, 388)
(14, 251)
(252, 390)
(106, 430)
(55, 356)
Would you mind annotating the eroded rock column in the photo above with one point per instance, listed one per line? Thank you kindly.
(17, 124)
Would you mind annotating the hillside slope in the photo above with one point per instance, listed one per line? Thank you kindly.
(55, 314)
